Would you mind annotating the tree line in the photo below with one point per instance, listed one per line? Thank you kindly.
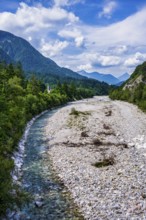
(20, 100)
(136, 96)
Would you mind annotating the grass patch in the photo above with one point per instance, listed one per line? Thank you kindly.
(84, 134)
(106, 133)
(106, 127)
(77, 113)
(71, 144)
(97, 142)
(105, 162)
(108, 113)
(78, 119)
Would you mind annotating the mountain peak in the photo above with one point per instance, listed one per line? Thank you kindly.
(108, 78)
(124, 77)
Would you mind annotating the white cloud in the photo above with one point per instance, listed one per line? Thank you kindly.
(93, 47)
(60, 3)
(131, 31)
(137, 59)
(102, 60)
(108, 8)
(36, 18)
(50, 50)
(108, 60)
(86, 67)
(73, 34)
(79, 41)
(29, 38)
(120, 49)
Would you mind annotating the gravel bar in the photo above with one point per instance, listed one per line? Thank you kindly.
(98, 147)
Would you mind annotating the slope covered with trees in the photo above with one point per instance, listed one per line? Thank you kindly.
(19, 50)
(14, 49)
(134, 90)
(20, 100)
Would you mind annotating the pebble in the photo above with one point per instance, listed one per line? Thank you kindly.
(39, 204)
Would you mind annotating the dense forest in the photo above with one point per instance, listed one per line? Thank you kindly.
(134, 89)
(20, 100)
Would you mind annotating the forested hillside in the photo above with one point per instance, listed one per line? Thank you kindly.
(20, 100)
(14, 49)
(134, 90)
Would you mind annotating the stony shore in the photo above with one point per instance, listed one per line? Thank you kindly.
(95, 133)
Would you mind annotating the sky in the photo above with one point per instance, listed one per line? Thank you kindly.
(107, 36)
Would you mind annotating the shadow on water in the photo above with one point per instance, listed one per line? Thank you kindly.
(49, 200)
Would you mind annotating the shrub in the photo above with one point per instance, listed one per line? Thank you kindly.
(107, 161)
(97, 142)
(74, 112)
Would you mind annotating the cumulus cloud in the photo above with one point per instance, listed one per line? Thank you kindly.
(79, 41)
(137, 59)
(108, 9)
(102, 60)
(120, 49)
(93, 48)
(39, 18)
(73, 34)
(50, 50)
(86, 67)
(108, 60)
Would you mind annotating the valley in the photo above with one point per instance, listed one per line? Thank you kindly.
(72, 110)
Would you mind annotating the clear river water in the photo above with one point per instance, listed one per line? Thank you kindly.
(50, 199)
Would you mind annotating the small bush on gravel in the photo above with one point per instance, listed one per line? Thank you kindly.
(84, 134)
(106, 133)
(107, 161)
(106, 127)
(77, 113)
(74, 112)
(97, 142)
(108, 113)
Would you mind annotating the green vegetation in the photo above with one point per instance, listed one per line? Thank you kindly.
(77, 118)
(134, 90)
(14, 49)
(20, 100)
(107, 161)
(77, 113)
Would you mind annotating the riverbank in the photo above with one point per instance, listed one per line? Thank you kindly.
(48, 198)
(18, 156)
(95, 133)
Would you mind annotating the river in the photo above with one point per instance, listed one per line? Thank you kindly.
(50, 199)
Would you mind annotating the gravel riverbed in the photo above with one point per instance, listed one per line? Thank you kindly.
(82, 139)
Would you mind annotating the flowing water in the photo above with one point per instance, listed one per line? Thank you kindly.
(49, 198)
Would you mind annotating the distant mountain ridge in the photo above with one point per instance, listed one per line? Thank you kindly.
(16, 49)
(108, 78)
(124, 77)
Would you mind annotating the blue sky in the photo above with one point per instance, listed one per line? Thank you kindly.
(107, 36)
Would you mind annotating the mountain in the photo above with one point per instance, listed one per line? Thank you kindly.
(134, 89)
(16, 49)
(108, 78)
(5, 57)
(123, 77)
